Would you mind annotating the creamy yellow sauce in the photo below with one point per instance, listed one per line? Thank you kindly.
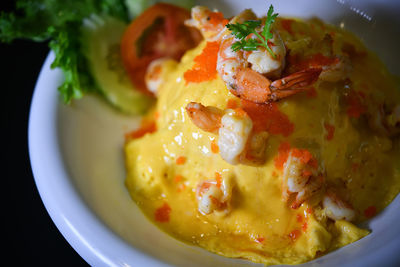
(260, 226)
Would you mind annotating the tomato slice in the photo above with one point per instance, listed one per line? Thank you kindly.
(158, 32)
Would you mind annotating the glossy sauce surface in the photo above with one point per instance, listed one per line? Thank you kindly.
(165, 167)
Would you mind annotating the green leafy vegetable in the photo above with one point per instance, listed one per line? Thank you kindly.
(242, 30)
(60, 22)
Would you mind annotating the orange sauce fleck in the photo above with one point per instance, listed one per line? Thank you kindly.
(178, 178)
(283, 154)
(294, 235)
(299, 218)
(218, 178)
(205, 65)
(287, 25)
(304, 227)
(180, 160)
(370, 211)
(303, 154)
(268, 117)
(330, 131)
(145, 128)
(260, 239)
(214, 147)
(232, 104)
(162, 214)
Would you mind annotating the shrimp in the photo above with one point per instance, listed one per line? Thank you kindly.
(336, 208)
(153, 77)
(210, 23)
(300, 177)
(214, 195)
(247, 74)
(234, 128)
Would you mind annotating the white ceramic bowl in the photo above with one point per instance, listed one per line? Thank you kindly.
(77, 159)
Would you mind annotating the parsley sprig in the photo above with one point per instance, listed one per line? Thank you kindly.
(242, 30)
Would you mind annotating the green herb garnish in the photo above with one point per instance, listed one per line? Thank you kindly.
(242, 30)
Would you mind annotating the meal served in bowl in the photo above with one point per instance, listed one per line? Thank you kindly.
(270, 141)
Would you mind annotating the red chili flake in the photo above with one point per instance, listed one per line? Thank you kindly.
(232, 104)
(287, 25)
(178, 178)
(260, 239)
(214, 147)
(294, 235)
(304, 155)
(355, 106)
(145, 128)
(283, 154)
(162, 214)
(304, 227)
(370, 211)
(180, 160)
(312, 92)
(268, 117)
(205, 65)
(274, 174)
(218, 178)
(299, 218)
(330, 131)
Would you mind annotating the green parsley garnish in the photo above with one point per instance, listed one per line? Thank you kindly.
(242, 30)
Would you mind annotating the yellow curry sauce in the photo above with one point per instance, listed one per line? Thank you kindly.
(165, 167)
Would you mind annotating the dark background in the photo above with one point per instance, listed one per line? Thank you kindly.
(31, 237)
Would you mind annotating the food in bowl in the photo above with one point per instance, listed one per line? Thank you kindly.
(270, 141)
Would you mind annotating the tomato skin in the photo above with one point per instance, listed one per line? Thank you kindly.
(158, 32)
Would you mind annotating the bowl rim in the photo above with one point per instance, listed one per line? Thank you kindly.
(79, 225)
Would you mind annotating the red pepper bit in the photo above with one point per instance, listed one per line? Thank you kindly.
(162, 214)
(370, 211)
(294, 235)
(178, 178)
(218, 178)
(299, 218)
(214, 147)
(283, 154)
(304, 227)
(330, 131)
(180, 160)
(232, 104)
(145, 128)
(260, 239)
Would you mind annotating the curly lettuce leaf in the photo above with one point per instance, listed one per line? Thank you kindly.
(60, 22)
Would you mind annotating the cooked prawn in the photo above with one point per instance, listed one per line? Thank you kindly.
(236, 141)
(153, 77)
(214, 195)
(247, 74)
(300, 177)
(210, 23)
(336, 208)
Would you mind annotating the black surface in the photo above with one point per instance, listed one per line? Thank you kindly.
(31, 237)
